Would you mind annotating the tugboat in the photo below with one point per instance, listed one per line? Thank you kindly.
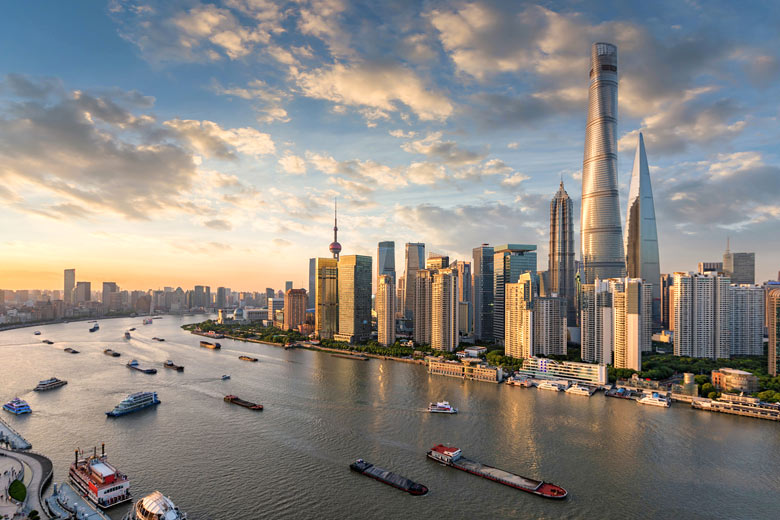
(97, 480)
(71, 351)
(451, 456)
(225, 377)
(247, 358)
(17, 406)
(95, 328)
(134, 402)
(110, 352)
(388, 477)
(441, 407)
(127, 335)
(135, 366)
(155, 507)
(50, 384)
(171, 364)
(240, 402)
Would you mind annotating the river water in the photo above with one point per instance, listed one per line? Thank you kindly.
(617, 459)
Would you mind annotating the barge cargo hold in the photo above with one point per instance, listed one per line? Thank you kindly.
(450, 456)
(388, 477)
(213, 346)
(240, 402)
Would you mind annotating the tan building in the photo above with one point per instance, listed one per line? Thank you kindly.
(633, 326)
(422, 306)
(326, 314)
(468, 368)
(733, 380)
(773, 326)
(385, 310)
(354, 298)
(444, 310)
(518, 329)
(295, 301)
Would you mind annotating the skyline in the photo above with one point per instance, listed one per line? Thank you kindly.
(165, 162)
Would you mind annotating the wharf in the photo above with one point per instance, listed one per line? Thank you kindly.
(66, 503)
(12, 438)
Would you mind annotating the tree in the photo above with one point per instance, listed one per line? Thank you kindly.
(707, 388)
(713, 395)
(701, 379)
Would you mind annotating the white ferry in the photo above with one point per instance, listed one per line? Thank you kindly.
(576, 389)
(550, 385)
(97, 480)
(654, 400)
(155, 507)
(50, 384)
(134, 402)
(441, 407)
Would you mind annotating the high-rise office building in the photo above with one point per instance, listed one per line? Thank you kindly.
(295, 301)
(400, 295)
(702, 312)
(69, 286)
(354, 290)
(710, 267)
(560, 264)
(287, 286)
(666, 282)
(385, 254)
(602, 239)
(326, 314)
(740, 267)
(274, 305)
(632, 307)
(414, 261)
(518, 335)
(110, 288)
(464, 290)
(437, 261)
(509, 262)
(422, 306)
(773, 328)
(747, 320)
(312, 283)
(223, 297)
(444, 310)
(641, 239)
(82, 293)
(385, 309)
(199, 297)
(483, 292)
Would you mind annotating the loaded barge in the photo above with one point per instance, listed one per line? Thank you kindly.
(240, 402)
(206, 344)
(450, 456)
(388, 477)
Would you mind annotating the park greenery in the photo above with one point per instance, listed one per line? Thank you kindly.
(249, 331)
(17, 491)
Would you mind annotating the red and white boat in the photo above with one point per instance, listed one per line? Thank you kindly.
(98, 481)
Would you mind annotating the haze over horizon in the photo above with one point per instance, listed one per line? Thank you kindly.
(187, 142)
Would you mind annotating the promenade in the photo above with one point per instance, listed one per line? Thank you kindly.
(35, 471)
(12, 438)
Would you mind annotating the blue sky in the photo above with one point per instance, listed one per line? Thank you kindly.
(183, 142)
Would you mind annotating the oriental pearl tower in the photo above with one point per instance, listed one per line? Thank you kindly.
(335, 247)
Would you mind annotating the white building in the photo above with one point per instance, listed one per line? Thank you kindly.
(633, 323)
(702, 315)
(444, 310)
(747, 320)
(596, 322)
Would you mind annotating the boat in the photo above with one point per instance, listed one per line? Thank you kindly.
(451, 456)
(148, 321)
(110, 352)
(351, 356)
(49, 384)
(225, 377)
(620, 393)
(522, 382)
(131, 329)
(206, 344)
(441, 407)
(127, 335)
(247, 358)
(654, 400)
(37, 333)
(155, 506)
(240, 402)
(548, 385)
(95, 328)
(171, 364)
(157, 339)
(135, 366)
(576, 389)
(388, 477)
(17, 406)
(134, 402)
(98, 481)
(71, 351)
(48, 342)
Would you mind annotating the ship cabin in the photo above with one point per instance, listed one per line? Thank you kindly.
(445, 454)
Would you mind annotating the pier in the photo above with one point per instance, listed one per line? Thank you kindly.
(66, 503)
(12, 438)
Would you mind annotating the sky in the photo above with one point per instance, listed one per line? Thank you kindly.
(187, 142)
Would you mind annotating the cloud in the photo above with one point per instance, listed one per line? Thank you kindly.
(293, 164)
(321, 19)
(267, 101)
(218, 224)
(211, 140)
(280, 242)
(514, 180)
(401, 134)
(447, 152)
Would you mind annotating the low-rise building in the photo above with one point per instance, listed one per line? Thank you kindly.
(543, 368)
(733, 380)
(475, 352)
(468, 368)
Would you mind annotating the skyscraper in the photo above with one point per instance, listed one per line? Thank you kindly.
(295, 301)
(385, 255)
(632, 307)
(747, 320)
(483, 292)
(710, 267)
(702, 312)
(326, 314)
(597, 322)
(518, 337)
(70, 284)
(666, 282)
(509, 262)
(602, 239)
(560, 263)
(437, 261)
(773, 327)
(444, 310)
(82, 293)
(287, 286)
(641, 240)
(423, 281)
(385, 309)
(464, 291)
(354, 290)
(740, 267)
(414, 261)
(223, 296)
(312, 283)
(549, 325)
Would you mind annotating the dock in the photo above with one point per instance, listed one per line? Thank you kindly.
(12, 438)
(66, 503)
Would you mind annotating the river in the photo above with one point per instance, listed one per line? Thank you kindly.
(617, 459)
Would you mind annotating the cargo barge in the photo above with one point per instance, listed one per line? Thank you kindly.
(206, 344)
(112, 353)
(451, 456)
(240, 402)
(174, 366)
(388, 477)
(135, 366)
(247, 358)
(71, 350)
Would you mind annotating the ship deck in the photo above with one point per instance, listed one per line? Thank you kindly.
(496, 474)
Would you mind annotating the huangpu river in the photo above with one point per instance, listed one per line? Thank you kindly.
(617, 459)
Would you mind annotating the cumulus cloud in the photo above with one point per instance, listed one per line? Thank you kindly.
(293, 164)
(447, 152)
(218, 224)
(211, 140)
(267, 101)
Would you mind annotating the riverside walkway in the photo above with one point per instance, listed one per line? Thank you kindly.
(66, 503)
(37, 472)
(12, 438)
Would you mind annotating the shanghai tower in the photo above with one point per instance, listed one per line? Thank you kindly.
(601, 234)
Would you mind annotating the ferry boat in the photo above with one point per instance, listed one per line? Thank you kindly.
(110, 352)
(171, 364)
(95, 328)
(131, 329)
(206, 344)
(549, 385)
(155, 507)
(158, 339)
(240, 402)
(135, 366)
(451, 456)
(127, 335)
(225, 377)
(148, 321)
(71, 351)
(247, 358)
(523, 382)
(576, 389)
(388, 477)
(17, 406)
(98, 481)
(654, 400)
(37, 333)
(134, 402)
(50, 384)
(441, 407)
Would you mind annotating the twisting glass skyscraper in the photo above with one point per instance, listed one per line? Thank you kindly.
(602, 237)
